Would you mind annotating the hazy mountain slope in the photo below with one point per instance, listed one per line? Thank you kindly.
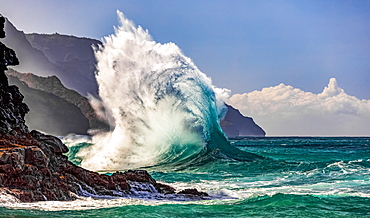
(32, 60)
(61, 48)
(77, 74)
(50, 113)
(72, 54)
(54, 86)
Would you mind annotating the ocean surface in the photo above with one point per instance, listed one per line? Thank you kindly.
(298, 177)
(164, 113)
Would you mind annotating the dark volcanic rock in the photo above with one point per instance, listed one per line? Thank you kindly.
(33, 168)
(2, 32)
(12, 109)
(7, 57)
(193, 192)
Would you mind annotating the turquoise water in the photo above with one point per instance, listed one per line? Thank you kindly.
(299, 177)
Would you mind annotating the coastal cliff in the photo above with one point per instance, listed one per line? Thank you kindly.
(55, 55)
(234, 124)
(33, 166)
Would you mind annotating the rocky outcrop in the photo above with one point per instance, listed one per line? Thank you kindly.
(2, 25)
(12, 110)
(33, 166)
(235, 124)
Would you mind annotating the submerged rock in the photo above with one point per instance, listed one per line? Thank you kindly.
(193, 192)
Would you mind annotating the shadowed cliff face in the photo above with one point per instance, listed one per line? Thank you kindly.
(2, 32)
(74, 55)
(51, 114)
(235, 124)
(12, 109)
(57, 55)
(50, 89)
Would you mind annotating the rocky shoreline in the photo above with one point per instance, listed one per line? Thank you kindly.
(33, 166)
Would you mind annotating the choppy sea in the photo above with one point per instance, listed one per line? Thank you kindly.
(300, 177)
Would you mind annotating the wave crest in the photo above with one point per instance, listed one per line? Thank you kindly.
(154, 97)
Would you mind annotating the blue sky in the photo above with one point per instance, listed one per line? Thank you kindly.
(241, 45)
(273, 53)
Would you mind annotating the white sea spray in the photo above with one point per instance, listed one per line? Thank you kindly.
(154, 97)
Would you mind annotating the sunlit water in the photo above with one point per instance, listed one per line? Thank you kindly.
(302, 177)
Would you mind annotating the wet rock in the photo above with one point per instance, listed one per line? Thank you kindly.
(139, 176)
(165, 189)
(50, 142)
(193, 192)
(35, 156)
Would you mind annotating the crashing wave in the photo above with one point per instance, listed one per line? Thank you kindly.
(161, 107)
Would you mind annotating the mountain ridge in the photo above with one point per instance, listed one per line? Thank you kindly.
(54, 86)
(78, 56)
(71, 76)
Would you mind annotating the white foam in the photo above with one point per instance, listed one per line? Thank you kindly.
(221, 192)
(72, 140)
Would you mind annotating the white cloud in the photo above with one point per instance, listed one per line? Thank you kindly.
(285, 110)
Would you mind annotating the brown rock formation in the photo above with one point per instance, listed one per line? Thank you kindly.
(33, 168)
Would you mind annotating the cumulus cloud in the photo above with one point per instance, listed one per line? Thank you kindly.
(285, 110)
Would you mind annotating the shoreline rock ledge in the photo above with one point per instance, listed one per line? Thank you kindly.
(32, 164)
